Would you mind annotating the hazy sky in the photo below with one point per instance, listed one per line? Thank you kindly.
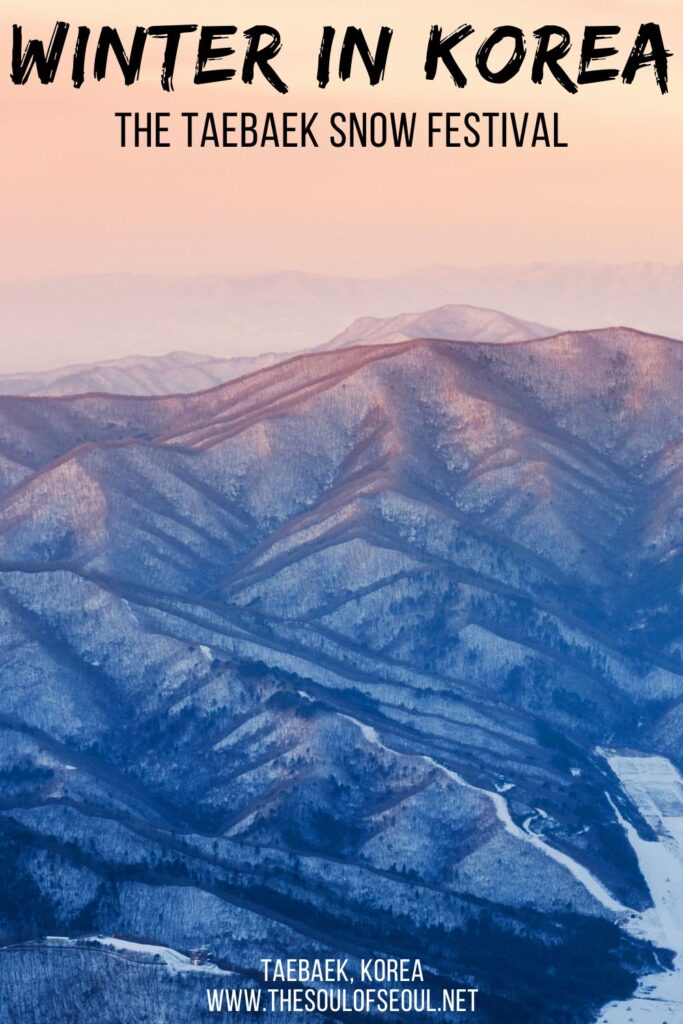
(72, 201)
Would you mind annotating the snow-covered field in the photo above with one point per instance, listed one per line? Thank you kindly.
(656, 788)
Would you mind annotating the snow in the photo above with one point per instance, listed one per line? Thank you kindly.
(176, 962)
(581, 874)
(656, 787)
(370, 734)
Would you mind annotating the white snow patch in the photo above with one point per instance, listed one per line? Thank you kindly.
(176, 962)
(581, 874)
(656, 788)
(370, 734)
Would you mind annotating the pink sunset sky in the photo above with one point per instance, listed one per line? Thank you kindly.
(73, 202)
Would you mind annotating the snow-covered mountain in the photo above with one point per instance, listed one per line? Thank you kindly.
(57, 321)
(450, 323)
(316, 662)
(186, 372)
(174, 373)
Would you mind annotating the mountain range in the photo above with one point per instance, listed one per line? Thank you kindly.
(318, 660)
(170, 374)
(55, 321)
(185, 372)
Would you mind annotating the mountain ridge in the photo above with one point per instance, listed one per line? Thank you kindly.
(155, 375)
(182, 405)
(451, 322)
(298, 310)
(349, 630)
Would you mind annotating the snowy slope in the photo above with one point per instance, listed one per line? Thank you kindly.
(172, 374)
(300, 661)
(451, 323)
(656, 788)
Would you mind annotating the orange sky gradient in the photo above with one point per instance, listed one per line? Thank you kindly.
(72, 201)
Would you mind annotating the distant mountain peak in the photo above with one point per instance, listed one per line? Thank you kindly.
(451, 322)
(92, 318)
(175, 372)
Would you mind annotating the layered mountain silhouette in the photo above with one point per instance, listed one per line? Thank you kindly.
(185, 372)
(169, 374)
(45, 322)
(318, 660)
